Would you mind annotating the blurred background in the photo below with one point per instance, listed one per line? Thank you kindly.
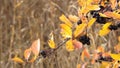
(23, 21)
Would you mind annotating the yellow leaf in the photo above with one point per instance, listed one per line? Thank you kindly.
(102, 15)
(51, 44)
(79, 29)
(69, 45)
(64, 19)
(81, 2)
(51, 41)
(27, 53)
(105, 64)
(115, 56)
(65, 34)
(104, 32)
(17, 59)
(85, 9)
(93, 7)
(105, 29)
(91, 22)
(73, 18)
(66, 30)
(35, 47)
(105, 26)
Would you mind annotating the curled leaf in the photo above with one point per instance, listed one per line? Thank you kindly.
(35, 47)
(51, 44)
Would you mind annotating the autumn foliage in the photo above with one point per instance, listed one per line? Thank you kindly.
(86, 36)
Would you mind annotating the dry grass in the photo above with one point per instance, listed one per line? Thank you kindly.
(23, 21)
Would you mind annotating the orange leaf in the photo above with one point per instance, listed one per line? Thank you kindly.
(73, 18)
(119, 38)
(117, 48)
(81, 3)
(17, 59)
(113, 3)
(35, 47)
(95, 56)
(112, 14)
(106, 54)
(86, 53)
(100, 49)
(82, 56)
(27, 53)
(77, 44)
(78, 66)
